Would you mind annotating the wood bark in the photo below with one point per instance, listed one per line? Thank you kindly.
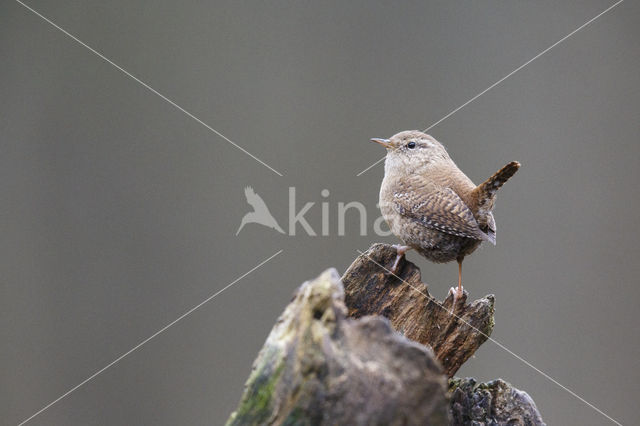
(492, 403)
(454, 332)
(333, 356)
(319, 367)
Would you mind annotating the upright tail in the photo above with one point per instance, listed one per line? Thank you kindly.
(485, 193)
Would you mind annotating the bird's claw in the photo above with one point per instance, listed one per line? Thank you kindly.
(458, 293)
(400, 252)
(395, 267)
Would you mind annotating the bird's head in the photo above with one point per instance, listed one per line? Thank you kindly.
(411, 150)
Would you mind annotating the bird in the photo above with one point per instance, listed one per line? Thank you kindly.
(431, 205)
(260, 213)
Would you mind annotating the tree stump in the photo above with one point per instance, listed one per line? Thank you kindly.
(453, 332)
(319, 367)
(333, 356)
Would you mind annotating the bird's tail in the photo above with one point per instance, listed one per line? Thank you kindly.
(486, 192)
(242, 224)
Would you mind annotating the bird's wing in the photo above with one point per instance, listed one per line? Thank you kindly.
(254, 199)
(436, 207)
(490, 229)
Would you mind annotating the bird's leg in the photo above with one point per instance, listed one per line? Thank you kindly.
(457, 292)
(460, 277)
(400, 250)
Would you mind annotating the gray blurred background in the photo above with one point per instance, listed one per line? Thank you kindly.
(119, 212)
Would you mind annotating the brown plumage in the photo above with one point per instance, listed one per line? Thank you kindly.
(431, 205)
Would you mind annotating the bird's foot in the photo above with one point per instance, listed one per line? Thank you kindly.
(400, 250)
(458, 295)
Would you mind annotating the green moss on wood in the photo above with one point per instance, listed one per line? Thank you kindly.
(256, 406)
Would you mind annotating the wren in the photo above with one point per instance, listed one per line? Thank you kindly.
(431, 205)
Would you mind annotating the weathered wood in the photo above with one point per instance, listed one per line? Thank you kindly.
(319, 367)
(492, 403)
(404, 299)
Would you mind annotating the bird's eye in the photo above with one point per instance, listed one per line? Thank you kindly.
(411, 145)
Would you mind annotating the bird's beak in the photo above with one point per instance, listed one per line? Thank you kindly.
(384, 142)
